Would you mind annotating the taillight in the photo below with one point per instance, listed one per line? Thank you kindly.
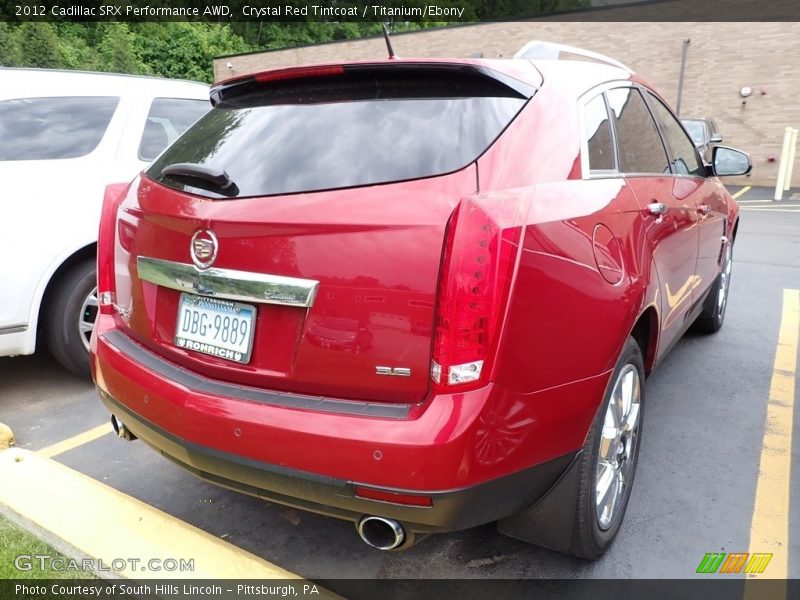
(114, 195)
(477, 266)
(300, 73)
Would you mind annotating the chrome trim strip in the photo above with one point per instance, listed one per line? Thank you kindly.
(13, 328)
(243, 286)
(128, 347)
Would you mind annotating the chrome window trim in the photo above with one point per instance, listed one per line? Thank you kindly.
(242, 286)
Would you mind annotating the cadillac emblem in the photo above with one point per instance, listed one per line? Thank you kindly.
(203, 248)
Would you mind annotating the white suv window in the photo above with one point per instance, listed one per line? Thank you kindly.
(167, 120)
(52, 128)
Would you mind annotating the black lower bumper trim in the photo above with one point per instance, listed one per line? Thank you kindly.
(452, 510)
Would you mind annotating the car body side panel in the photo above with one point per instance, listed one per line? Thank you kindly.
(713, 225)
(564, 317)
(673, 238)
(542, 145)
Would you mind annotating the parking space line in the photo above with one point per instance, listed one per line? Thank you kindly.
(75, 441)
(96, 521)
(769, 528)
(741, 192)
(787, 210)
(766, 204)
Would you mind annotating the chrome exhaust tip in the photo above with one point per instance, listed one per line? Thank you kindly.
(121, 430)
(381, 533)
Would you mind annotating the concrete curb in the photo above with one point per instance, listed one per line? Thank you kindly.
(7, 439)
(85, 518)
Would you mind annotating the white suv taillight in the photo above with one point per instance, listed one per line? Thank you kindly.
(479, 256)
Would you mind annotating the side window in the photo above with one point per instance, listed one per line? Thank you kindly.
(51, 128)
(167, 120)
(598, 135)
(638, 141)
(685, 160)
(697, 130)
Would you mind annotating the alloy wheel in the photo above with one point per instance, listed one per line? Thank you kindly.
(724, 282)
(87, 317)
(618, 440)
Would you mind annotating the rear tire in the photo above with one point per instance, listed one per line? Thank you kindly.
(713, 315)
(608, 462)
(69, 318)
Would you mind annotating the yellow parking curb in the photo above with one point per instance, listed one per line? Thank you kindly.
(102, 523)
(6, 437)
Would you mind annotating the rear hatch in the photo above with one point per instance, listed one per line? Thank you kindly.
(292, 239)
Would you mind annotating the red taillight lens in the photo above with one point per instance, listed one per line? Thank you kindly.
(476, 272)
(393, 497)
(115, 194)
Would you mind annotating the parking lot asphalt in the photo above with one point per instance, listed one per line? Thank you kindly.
(695, 490)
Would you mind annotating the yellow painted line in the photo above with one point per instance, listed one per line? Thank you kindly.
(787, 210)
(76, 440)
(741, 192)
(767, 204)
(99, 522)
(6, 436)
(769, 528)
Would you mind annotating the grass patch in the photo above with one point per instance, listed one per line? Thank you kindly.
(15, 541)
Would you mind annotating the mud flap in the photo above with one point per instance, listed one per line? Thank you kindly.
(549, 522)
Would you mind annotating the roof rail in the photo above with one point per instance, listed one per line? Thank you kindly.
(551, 51)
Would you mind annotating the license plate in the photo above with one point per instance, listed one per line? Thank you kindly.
(217, 327)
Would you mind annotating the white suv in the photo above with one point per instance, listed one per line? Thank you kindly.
(65, 136)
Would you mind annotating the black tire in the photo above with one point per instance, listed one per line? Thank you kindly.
(590, 539)
(62, 315)
(713, 315)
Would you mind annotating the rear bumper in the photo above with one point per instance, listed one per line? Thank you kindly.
(476, 455)
(451, 510)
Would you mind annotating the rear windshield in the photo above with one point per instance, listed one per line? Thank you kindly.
(339, 132)
(50, 128)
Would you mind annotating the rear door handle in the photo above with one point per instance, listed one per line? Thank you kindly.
(703, 209)
(657, 208)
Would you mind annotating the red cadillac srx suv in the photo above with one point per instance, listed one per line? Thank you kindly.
(420, 295)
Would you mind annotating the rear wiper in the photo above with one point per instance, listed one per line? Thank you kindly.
(202, 176)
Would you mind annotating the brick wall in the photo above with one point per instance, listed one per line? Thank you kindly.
(722, 57)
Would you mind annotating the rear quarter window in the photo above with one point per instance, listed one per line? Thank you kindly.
(53, 128)
(599, 142)
(339, 132)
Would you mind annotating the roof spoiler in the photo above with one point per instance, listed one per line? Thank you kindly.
(537, 49)
(240, 86)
